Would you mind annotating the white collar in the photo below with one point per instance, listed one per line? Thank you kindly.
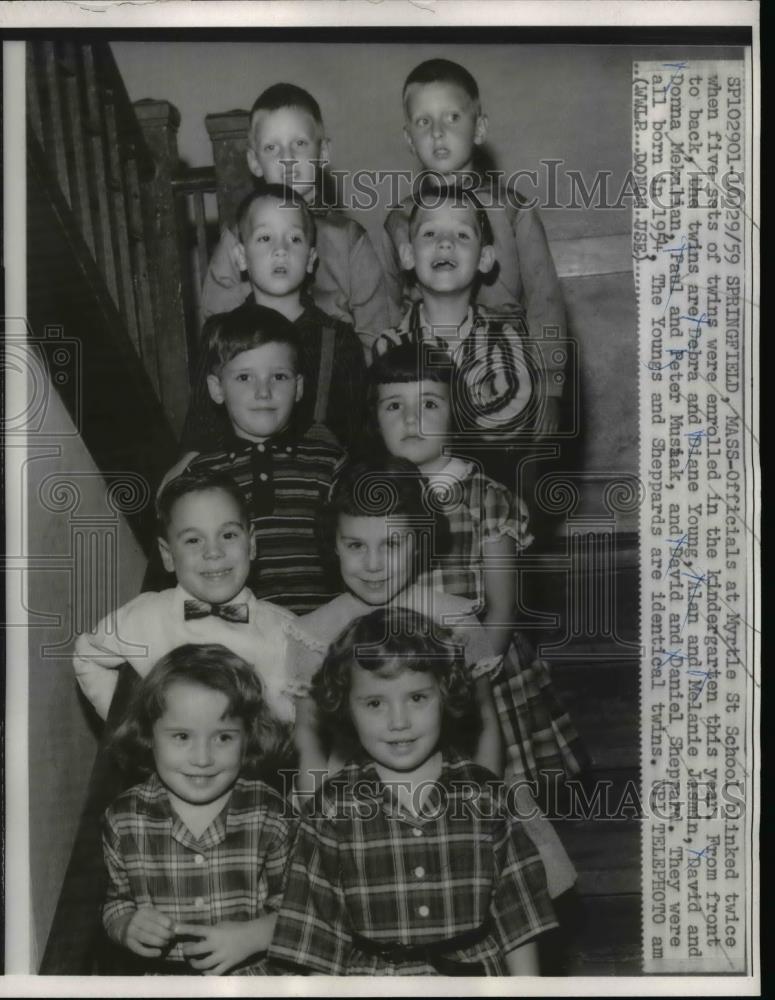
(456, 468)
(448, 332)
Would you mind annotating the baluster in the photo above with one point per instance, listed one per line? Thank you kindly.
(201, 233)
(115, 182)
(53, 128)
(137, 246)
(79, 179)
(103, 235)
(33, 94)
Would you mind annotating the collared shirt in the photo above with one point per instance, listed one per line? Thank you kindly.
(207, 427)
(323, 625)
(478, 510)
(285, 481)
(234, 871)
(349, 282)
(362, 864)
(152, 624)
(497, 387)
(526, 275)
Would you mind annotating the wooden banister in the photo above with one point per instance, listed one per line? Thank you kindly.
(158, 122)
(229, 136)
(113, 166)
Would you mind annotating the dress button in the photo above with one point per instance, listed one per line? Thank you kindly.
(416, 832)
(263, 477)
(289, 449)
(199, 859)
(424, 911)
(199, 901)
(419, 871)
(261, 447)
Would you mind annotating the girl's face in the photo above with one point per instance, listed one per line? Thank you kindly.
(376, 556)
(197, 747)
(398, 719)
(414, 421)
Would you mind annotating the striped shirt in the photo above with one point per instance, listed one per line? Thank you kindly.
(234, 871)
(361, 864)
(285, 481)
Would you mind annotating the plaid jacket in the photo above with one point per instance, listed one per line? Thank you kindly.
(362, 865)
(234, 871)
(478, 510)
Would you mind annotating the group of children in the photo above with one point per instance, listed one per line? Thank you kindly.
(344, 596)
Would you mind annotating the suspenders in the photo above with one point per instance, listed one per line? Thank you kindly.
(327, 342)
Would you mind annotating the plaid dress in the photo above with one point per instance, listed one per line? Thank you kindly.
(538, 734)
(234, 871)
(361, 865)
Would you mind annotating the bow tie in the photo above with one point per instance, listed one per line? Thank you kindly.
(194, 609)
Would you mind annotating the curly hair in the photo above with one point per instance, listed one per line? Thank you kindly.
(211, 666)
(382, 487)
(387, 642)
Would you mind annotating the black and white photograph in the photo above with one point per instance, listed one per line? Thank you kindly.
(382, 497)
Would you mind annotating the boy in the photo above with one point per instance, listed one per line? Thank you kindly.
(449, 248)
(276, 247)
(205, 538)
(287, 145)
(444, 125)
(283, 470)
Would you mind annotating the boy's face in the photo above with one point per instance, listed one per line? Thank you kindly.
(446, 249)
(397, 719)
(259, 389)
(208, 546)
(376, 556)
(442, 126)
(414, 421)
(287, 134)
(274, 249)
(198, 749)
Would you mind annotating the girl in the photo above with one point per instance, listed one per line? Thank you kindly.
(196, 853)
(413, 412)
(374, 534)
(409, 863)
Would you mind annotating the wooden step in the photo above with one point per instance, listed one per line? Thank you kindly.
(606, 854)
(603, 701)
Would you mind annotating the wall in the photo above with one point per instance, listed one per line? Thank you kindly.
(87, 561)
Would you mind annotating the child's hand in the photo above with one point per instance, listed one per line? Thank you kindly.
(146, 931)
(218, 948)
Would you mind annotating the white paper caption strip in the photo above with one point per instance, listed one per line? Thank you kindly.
(689, 240)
